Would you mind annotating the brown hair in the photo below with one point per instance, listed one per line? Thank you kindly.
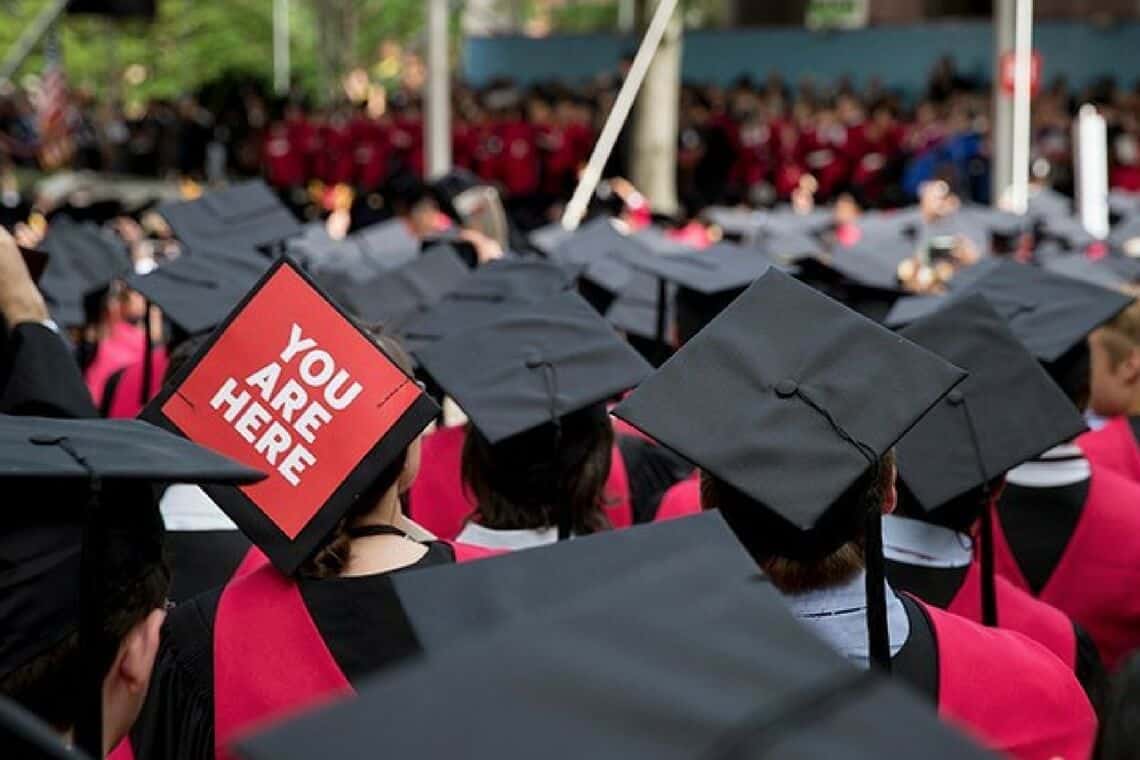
(1121, 336)
(529, 480)
(332, 557)
(769, 548)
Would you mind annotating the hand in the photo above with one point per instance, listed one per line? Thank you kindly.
(20, 300)
(486, 248)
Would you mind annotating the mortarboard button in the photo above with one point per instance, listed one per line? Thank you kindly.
(954, 398)
(786, 388)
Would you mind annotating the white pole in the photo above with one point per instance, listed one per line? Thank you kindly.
(591, 175)
(437, 125)
(1090, 159)
(1022, 67)
(281, 46)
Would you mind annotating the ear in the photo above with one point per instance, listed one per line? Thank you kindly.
(135, 659)
(1130, 367)
(411, 466)
(891, 496)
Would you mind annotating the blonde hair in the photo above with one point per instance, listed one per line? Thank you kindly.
(1121, 336)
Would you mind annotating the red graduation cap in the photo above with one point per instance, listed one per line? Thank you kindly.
(288, 384)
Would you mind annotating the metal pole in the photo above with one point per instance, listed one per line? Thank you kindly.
(576, 208)
(1013, 27)
(281, 51)
(1090, 160)
(437, 125)
(31, 36)
(1022, 56)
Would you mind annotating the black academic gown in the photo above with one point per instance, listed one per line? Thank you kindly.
(360, 619)
(39, 376)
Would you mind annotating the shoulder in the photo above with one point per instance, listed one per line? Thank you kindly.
(997, 669)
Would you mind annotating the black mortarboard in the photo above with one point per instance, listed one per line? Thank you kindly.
(788, 397)
(246, 216)
(1049, 313)
(524, 279)
(1127, 230)
(1068, 230)
(851, 281)
(547, 239)
(1007, 411)
(26, 737)
(533, 364)
(621, 674)
(909, 308)
(706, 281)
(740, 223)
(446, 605)
(196, 292)
(387, 245)
(717, 269)
(80, 506)
(82, 263)
(874, 260)
(396, 296)
(1045, 202)
(1099, 272)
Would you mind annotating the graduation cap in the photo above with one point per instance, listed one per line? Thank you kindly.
(27, 737)
(548, 239)
(245, 216)
(387, 245)
(290, 384)
(196, 292)
(80, 506)
(1006, 412)
(706, 281)
(398, 295)
(1099, 272)
(1068, 230)
(533, 364)
(82, 264)
(621, 673)
(789, 398)
(1050, 314)
(521, 279)
(874, 260)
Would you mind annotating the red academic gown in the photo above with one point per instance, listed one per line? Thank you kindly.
(284, 160)
(1113, 446)
(125, 401)
(370, 149)
(256, 678)
(1018, 611)
(1008, 692)
(1095, 581)
(441, 504)
(681, 500)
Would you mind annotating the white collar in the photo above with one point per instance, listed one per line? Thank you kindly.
(187, 508)
(838, 615)
(914, 542)
(1061, 465)
(489, 538)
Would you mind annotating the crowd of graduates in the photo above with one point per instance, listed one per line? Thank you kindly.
(820, 480)
(753, 142)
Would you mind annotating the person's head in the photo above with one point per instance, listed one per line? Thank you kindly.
(136, 582)
(827, 556)
(1115, 358)
(380, 501)
(960, 514)
(531, 480)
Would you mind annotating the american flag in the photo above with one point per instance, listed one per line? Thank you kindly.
(52, 108)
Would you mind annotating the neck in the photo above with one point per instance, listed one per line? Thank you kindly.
(372, 555)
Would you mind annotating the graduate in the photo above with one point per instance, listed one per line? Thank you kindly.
(1115, 395)
(321, 614)
(1066, 527)
(38, 374)
(793, 424)
(534, 382)
(951, 469)
(82, 579)
(618, 673)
